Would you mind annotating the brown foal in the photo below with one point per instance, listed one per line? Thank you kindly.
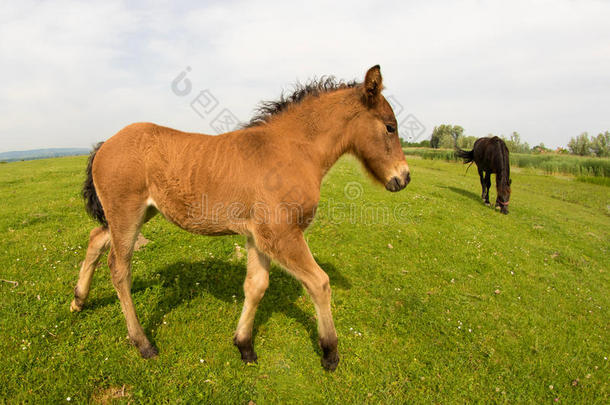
(262, 181)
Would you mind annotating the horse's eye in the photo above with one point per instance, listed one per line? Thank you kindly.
(390, 128)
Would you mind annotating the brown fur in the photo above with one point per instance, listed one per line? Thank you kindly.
(262, 181)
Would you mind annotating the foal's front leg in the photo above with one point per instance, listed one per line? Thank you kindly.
(291, 251)
(257, 280)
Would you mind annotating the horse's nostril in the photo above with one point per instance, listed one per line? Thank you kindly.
(408, 178)
(393, 184)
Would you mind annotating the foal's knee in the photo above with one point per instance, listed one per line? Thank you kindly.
(119, 276)
(96, 232)
(118, 273)
(255, 287)
(324, 283)
(319, 287)
(99, 240)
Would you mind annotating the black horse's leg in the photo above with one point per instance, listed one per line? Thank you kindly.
(482, 184)
(487, 186)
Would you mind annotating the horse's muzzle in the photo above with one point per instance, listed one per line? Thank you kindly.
(397, 183)
(503, 206)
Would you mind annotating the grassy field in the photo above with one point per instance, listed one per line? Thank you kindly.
(436, 298)
(549, 163)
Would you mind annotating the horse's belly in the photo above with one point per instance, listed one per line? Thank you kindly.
(211, 227)
(202, 218)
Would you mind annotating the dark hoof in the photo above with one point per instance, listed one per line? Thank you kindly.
(76, 306)
(77, 303)
(248, 355)
(149, 352)
(330, 361)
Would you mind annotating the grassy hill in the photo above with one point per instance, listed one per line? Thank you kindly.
(436, 297)
(41, 154)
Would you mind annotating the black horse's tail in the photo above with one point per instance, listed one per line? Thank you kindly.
(468, 156)
(92, 202)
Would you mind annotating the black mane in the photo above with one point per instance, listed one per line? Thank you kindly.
(314, 87)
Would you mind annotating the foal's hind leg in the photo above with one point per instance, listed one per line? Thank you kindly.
(99, 242)
(124, 231)
(257, 280)
(292, 252)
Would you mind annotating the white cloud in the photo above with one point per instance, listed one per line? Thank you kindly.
(74, 73)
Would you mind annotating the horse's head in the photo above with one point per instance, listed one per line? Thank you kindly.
(503, 197)
(374, 135)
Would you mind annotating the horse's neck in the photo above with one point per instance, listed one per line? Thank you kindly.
(321, 129)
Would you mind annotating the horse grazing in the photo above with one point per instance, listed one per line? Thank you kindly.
(261, 181)
(491, 156)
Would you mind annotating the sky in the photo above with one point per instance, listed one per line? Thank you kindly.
(73, 73)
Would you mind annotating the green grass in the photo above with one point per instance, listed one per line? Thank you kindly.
(467, 306)
(602, 181)
(549, 163)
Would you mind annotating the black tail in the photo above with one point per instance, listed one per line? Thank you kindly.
(92, 202)
(468, 156)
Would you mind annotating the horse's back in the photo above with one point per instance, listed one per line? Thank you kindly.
(490, 153)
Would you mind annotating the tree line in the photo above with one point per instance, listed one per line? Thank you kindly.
(448, 136)
(585, 145)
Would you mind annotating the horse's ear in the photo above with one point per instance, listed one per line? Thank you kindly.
(372, 85)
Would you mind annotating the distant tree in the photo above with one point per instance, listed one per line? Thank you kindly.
(437, 134)
(446, 142)
(600, 145)
(581, 145)
(467, 142)
(445, 136)
(515, 145)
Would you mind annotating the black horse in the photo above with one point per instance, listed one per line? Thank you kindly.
(491, 156)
